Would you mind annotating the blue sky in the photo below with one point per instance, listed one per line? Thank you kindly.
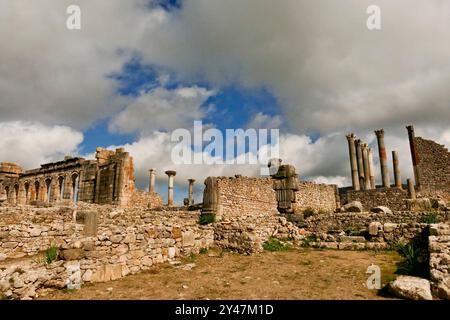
(136, 72)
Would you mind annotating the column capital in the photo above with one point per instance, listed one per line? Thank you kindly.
(191, 180)
(152, 170)
(171, 173)
(379, 133)
(410, 129)
(350, 137)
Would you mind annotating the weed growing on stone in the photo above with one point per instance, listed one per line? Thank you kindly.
(51, 254)
(205, 219)
(431, 218)
(273, 244)
(308, 212)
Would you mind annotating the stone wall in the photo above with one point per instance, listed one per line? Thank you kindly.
(107, 180)
(247, 212)
(439, 248)
(319, 197)
(337, 222)
(125, 241)
(393, 198)
(434, 168)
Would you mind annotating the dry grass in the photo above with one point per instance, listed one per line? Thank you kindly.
(293, 274)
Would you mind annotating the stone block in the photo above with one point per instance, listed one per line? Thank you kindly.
(389, 227)
(188, 238)
(73, 254)
(374, 227)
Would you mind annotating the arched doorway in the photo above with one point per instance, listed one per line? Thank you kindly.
(27, 191)
(61, 181)
(36, 190)
(48, 185)
(75, 185)
(7, 194)
(16, 194)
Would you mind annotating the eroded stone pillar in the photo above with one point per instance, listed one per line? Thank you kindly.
(411, 190)
(151, 186)
(414, 155)
(360, 161)
(383, 158)
(397, 177)
(353, 161)
(365, 155)
(191, 191)
(170, 174)
(371, 168)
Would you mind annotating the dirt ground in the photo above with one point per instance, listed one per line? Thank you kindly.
(294, 274)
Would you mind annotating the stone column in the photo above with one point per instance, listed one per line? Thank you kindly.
(414, 155)
(411, 190)
(360, 163)
(383, 158)
(170, 174)
(151, 186)
(365, 155)
(353, 161)
(371, 168)
(397, 177)
(191, 191)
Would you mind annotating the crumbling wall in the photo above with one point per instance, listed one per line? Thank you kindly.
(439, 248)
(116, 243)
(434, 168)
(247, 212)
(393, 198)
(319, 197)
(107, 180)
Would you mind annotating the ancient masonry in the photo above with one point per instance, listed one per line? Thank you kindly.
(107, 180)
(431, 164)
(105, 229)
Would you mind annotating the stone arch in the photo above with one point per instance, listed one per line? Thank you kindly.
(26, 187)
(7, 194)
(75, 180)
(37, 186)
(48, 189)
(61, 181)
(16, 193)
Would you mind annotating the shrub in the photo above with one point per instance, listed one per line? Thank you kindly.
(431, 218)
(411, 265)
(273, 244)
(308, 212)
(203, 250)
(205, 219)
(352, 232)
(51, 254)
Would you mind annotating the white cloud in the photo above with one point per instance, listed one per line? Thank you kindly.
(31, 144)
(162, 109)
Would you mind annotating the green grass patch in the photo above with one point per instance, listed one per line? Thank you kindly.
(308, 212)
(51, 254)
(205, 219)
(431, 218)
(273, 244)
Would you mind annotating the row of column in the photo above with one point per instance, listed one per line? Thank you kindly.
(361, 163)
(171, 174)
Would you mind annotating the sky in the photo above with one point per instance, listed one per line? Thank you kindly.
(139, 69)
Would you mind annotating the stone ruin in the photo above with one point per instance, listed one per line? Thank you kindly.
(430, 186)
(116, 230)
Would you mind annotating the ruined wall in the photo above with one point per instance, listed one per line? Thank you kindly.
(434, 168)
(439, 248)
(319, 197)
(393, 198)
(247, 212)
(337, 222)
(107, 180)
(126, 241)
